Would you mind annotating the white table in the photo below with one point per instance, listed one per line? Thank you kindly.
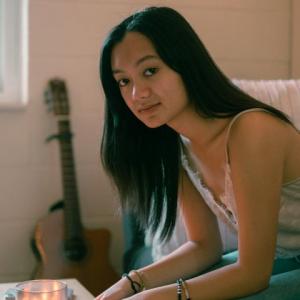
(79, 291)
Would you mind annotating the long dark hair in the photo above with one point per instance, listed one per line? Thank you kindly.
(144, 162)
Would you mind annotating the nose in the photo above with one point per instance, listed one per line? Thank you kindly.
(140, 91)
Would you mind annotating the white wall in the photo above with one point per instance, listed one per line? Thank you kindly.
(249, 39)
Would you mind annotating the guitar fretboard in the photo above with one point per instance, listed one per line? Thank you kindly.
(73, 226)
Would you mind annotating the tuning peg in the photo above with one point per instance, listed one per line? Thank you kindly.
(48, 99)
(56, 97)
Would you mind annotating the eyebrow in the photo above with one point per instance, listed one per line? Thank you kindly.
(138, 62)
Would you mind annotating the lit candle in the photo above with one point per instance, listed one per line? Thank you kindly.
(41, 290)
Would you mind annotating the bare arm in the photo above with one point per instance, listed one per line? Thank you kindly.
(257, 177)
(202, 249)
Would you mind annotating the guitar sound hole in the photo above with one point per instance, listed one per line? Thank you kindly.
(75, 249)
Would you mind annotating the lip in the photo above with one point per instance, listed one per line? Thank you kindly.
(149, 108)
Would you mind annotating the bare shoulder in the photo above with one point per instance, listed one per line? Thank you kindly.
(258, 125)
(258, 133)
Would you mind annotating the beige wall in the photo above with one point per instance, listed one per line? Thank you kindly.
(249, 39)
(295, 41)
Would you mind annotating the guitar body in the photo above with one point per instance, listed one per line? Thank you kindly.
(93, 271)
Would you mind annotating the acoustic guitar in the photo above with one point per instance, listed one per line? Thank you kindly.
(63, 247)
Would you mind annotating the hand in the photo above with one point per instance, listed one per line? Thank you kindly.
(139, 296)
(120, 290)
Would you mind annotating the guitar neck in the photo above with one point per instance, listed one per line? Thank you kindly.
(73, 226)
(56, 97)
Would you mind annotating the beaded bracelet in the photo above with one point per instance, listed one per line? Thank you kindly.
(179, 289)
(185, 288)
(136, 287)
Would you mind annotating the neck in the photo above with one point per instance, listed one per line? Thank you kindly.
(201, 132)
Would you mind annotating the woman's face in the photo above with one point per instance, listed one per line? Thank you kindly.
(153, 92)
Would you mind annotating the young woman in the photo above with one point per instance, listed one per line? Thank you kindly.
(177, 128)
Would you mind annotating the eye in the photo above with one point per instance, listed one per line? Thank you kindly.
(150, 71)
(122, 82)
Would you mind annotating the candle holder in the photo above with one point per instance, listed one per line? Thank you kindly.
(41, 289)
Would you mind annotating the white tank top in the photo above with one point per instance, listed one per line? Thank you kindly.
(288, 237)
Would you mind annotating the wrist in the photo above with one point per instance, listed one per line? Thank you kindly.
(138, 277)
(134, 282)
(126, 286)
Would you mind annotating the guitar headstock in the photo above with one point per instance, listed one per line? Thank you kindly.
(56, 97)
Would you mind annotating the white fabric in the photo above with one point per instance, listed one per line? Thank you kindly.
(282, 94)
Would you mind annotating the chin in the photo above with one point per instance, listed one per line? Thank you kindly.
(153, 124)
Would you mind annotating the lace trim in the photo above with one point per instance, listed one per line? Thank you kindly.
(220, 205)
